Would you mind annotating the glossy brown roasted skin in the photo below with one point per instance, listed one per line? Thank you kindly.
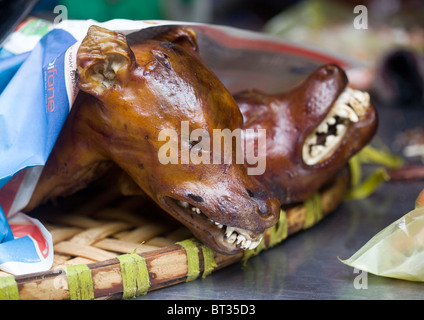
(289, 118)
(128, 95)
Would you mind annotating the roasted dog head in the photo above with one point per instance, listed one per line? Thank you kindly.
(139, 108)
(312, 131)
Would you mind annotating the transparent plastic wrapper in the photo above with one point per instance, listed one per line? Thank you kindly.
(39, 92)
(397, 251)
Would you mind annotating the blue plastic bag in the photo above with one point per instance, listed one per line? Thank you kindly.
(29, 83)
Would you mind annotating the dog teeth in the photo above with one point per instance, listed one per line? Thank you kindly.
(331, 121)
(349, 106)
(232, 238)
(247, 243)
(229, 231)
(345, 111)
(330, 139)
(236, 236)
(342, 112)
(323, 127)
(240, 239)
(340, 128)
(358, 100)
(316, 150)
(184, 204)
(312, 140)
(219, 225)
(197, 210)
(254, 244)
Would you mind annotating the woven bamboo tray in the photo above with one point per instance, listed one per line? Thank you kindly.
(108, 246)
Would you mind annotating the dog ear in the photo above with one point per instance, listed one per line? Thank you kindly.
(104, 60)
(185, 37)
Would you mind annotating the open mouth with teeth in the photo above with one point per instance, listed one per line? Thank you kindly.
(326, 138)
(226, 239)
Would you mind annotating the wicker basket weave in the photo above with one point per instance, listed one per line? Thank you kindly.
(111, 247)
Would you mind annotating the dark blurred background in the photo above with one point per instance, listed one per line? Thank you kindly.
(325, 23)
(249, 14)
(390, 44)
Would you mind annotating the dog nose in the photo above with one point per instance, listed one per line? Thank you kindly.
(268, 208)
(260, 197)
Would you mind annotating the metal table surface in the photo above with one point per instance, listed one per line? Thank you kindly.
(305, 265)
